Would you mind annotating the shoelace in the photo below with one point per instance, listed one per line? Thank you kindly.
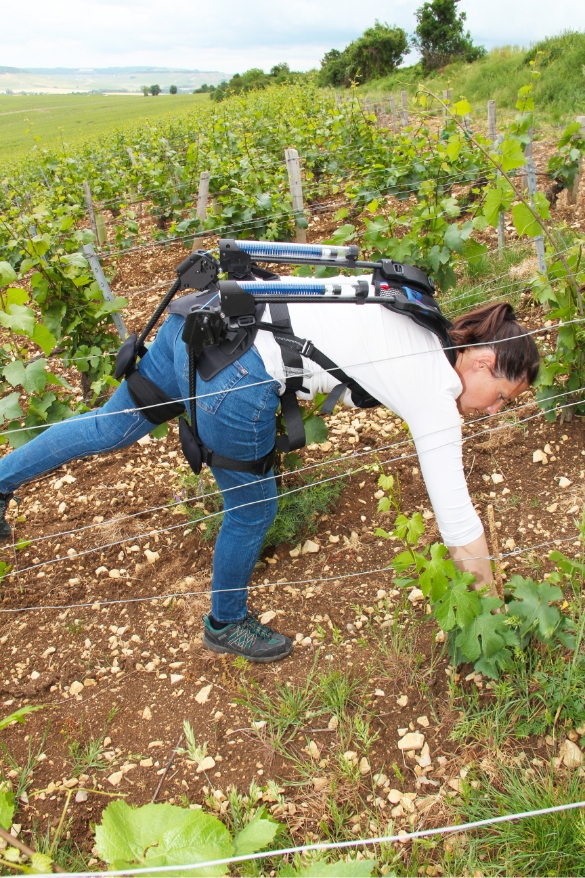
(256, 627)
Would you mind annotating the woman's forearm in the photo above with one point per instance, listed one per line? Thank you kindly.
(473, 558)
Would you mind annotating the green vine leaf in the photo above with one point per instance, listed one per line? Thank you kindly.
(40, 864)
(161, 835)
(498, 199)
(457, 606)
(532, 603)
(10, 407)
(524, 222)
(256, 835)
(436, 573)
(409, 529)
(19, 318)
(512, 154)
(15, 296)
(7, 808)
(45, 339)
(7, 274)
(487, 635)
(315, 429)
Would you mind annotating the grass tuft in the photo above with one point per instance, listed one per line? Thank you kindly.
(549, 845)
(297, 514)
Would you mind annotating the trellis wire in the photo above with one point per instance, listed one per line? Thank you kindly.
(154, 532)
(360, 574)
(323, 206)
(327, 462)
(334, 845)
(99, 414)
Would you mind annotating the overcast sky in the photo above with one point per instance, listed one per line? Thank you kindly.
(234, 35)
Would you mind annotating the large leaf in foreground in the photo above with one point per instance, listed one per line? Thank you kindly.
(162, 835)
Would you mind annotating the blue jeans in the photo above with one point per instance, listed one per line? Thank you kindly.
(239, 424)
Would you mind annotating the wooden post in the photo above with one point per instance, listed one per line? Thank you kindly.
(573, 194)
(394, 116)
(528, 181)
(202, 196)
(523, 172)
(496, 552)
(404, 99)
(493, 135)
(446, 100)
(492, 130)
(296, 189)
(89, 205)
(102, 234)
(133, 199)
(94, 264)
(501, 221)
(539, 239)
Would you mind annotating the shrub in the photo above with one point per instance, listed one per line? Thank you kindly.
(376, 53)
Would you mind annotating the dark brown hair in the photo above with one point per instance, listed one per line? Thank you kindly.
(496, 327)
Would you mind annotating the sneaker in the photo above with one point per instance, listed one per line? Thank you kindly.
(248, 638)
(5, 530)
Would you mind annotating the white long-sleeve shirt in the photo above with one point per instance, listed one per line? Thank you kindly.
(403, 366)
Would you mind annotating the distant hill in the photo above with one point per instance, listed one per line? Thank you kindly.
(121, 80)
(108, 71)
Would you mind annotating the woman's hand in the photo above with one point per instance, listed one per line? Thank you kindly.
(473, 557)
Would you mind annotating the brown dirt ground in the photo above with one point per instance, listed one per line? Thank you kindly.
(145, 659)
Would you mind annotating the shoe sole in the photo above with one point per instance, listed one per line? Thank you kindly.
(223, 650)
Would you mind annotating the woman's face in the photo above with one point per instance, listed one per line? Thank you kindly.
(482, 391)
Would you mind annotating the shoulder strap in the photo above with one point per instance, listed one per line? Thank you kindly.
(293, 349)
(281, 327)
(424, 310)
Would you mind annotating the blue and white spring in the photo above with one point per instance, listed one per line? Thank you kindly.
(302, 287)
(278, 250)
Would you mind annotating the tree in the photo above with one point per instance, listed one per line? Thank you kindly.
(440, 35)
(376, 53)
(155, 90)
(333, 67)
(252, 79)
(173, 90)
(145, 90)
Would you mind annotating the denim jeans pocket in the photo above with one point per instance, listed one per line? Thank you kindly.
(210, 394)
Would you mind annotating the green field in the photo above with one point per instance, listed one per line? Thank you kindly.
(28, 120)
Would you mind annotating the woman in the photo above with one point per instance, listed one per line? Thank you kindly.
(396, 361)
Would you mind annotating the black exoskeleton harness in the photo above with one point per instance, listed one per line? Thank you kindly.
(222, 319)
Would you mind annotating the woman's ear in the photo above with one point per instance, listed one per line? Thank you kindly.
(483, 358)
